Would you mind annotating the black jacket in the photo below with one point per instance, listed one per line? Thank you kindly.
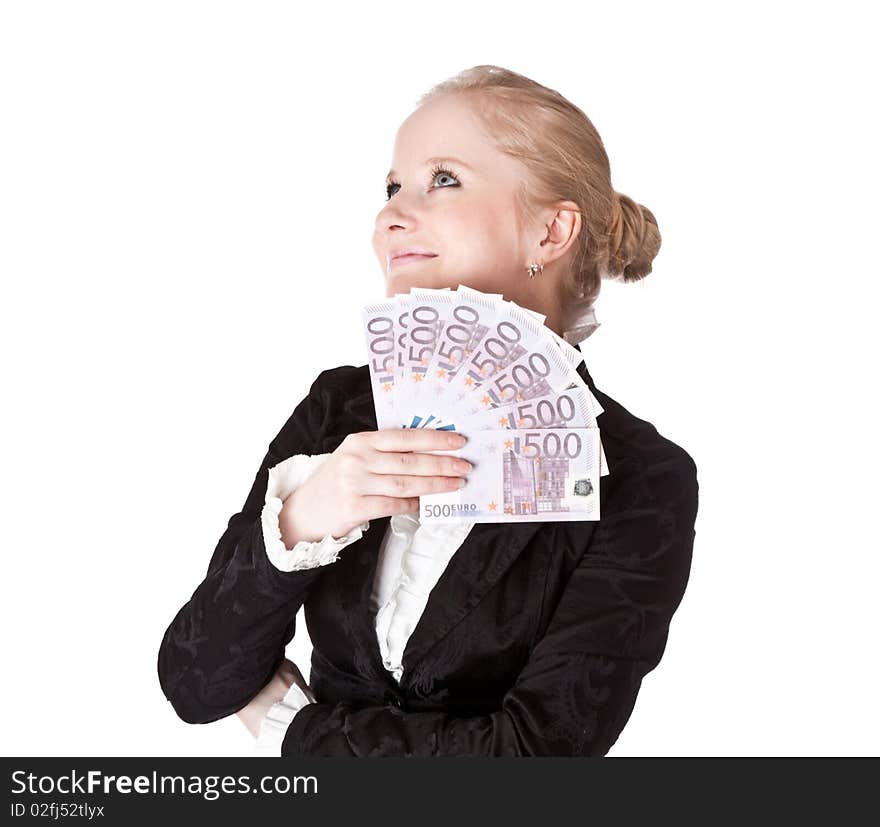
(534, 641)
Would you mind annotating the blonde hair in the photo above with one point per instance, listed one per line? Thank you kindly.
(566, 160)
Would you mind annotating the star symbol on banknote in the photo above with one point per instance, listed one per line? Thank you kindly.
(493, 506)
(467, 351)
(508, 510)
(521, 423)
(503, 422)
(508, 443)
(538, 460)
(469, 381)
(491, 447)
(519, 397)
(525, 506)
(441, 374)
(417, 377)
(388, 386)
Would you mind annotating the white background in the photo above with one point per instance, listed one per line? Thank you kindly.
(187, 193)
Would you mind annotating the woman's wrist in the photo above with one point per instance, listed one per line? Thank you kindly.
(289, 523)
(252, 715)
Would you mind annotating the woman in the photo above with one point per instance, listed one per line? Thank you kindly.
(518, 639)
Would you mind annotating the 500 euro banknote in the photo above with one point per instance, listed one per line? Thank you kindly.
(522, 475)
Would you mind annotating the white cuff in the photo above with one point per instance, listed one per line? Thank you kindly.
(274, 725)
(284, 479)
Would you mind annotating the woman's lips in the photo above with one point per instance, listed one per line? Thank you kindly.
(409, 257)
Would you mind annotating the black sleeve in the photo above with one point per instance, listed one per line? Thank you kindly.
(226, 642)
(579, 686)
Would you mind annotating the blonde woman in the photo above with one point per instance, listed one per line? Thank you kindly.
(523, 639)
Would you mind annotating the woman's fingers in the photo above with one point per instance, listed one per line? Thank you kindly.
(379, 473)
(416, 464)
(397, 468)
(397, 485)
(378, 507)
(412, 439)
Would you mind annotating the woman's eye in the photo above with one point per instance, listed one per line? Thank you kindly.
(442, 173)
(437, 172)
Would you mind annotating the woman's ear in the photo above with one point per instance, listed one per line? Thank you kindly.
(563, 225)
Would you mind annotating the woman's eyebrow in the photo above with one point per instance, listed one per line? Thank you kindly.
(428, 161)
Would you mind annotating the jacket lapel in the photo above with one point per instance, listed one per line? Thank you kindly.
(484, 557)
(486, 554)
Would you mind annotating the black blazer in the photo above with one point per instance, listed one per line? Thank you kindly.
(533, 642)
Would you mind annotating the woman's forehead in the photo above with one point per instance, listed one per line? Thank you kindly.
(445, 128)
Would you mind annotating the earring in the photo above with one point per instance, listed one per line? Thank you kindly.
(534, 269)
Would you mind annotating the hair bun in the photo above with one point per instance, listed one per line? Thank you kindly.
(633, 239)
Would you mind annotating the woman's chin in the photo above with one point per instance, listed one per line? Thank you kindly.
(404, 282)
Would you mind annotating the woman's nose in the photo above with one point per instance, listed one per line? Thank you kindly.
(402, 210)
(391, 216)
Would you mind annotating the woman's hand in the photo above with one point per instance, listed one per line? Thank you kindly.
(286, 675)
(371, 474)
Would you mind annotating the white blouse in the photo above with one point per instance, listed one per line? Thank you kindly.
(411, 559)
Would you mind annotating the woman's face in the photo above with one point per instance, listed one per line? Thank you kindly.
(462, 209)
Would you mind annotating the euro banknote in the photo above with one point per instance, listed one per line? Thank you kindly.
(522, 475)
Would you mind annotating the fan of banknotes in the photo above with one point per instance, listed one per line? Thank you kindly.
(473, 362)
